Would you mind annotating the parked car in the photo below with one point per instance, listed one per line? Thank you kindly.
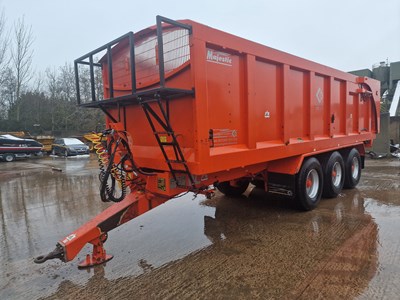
(12, 147)
(68, 147)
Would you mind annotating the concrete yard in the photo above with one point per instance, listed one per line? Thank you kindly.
(255, 247)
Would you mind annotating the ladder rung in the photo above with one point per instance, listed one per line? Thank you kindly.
(168, 143)
(176, 161)
(179, 171)
(163, 121)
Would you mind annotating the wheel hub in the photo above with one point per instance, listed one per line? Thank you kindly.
(354, 168)
(312, 183)
(336, 174)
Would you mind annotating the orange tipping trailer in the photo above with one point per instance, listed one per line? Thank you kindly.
(189, 108)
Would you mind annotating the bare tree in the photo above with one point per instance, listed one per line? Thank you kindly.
(39, 84)
(7, 93)
(21, 57)
(67, 82)
(4, 61)
(4, 40)
(52, 89)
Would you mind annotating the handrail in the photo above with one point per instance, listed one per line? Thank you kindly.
(87, 60)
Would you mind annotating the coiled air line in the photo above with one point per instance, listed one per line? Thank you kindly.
(114, 174)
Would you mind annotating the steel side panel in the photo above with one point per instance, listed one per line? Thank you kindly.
(299, 97)
(276, 105)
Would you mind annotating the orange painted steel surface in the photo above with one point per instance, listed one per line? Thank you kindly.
(211, 107)
(252, 104)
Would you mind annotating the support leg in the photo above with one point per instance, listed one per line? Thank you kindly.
(99, 255)
(95, 230)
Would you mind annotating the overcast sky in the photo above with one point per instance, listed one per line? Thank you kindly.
(344, 34)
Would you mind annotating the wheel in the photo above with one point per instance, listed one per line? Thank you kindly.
(233, 190)
(309, 184)
(8, 157)
(333, 176)
(352, 169)
(65, 152)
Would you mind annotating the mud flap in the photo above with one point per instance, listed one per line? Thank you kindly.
(281, 184)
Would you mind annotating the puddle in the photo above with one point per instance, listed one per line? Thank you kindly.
(255, 247)
(39, 206)
(387, 278)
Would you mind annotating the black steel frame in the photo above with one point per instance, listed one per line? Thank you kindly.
(177, 164)
(162, 90)
(89, 56)
(162, 119)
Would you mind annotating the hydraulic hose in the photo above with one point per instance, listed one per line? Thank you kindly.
(109, 171)
(107, 193)
(116, 174)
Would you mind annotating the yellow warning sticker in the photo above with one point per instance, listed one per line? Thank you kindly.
(161, 184)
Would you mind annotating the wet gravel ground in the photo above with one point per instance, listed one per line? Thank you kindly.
(255, 247)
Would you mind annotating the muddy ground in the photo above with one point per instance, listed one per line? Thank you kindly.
(349, 247)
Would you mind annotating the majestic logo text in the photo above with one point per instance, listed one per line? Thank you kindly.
(219, 57)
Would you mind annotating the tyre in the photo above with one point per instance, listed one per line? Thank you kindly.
(233, 190)
(309, 184)
(333, 176)
(8, 157)
(65, 152)
(352, 169)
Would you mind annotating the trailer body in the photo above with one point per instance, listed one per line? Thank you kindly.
(251, 106)
(189, 107)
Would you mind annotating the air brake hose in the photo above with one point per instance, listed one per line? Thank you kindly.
(118, 172)
(107, 192)
(134, 167)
